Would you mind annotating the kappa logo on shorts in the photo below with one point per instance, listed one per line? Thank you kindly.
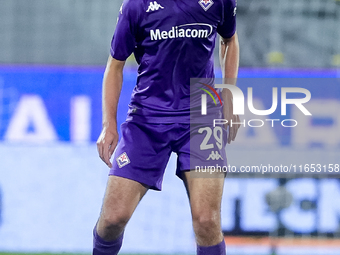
(205, 4)
(122, 160)
(214, 155)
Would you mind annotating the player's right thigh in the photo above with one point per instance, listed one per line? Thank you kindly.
(121, 199)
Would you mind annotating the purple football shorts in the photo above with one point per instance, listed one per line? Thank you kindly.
(144, 150)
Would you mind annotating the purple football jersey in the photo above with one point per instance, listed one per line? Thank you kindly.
(173, 41)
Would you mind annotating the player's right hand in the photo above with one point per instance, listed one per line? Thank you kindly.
(107, 143)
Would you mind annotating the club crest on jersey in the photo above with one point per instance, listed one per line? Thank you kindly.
(122, 160)
(205, 4)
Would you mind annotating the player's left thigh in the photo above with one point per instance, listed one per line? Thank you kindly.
(205, 196)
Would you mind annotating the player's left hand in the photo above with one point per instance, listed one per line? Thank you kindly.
(233, 128)
(233, 120)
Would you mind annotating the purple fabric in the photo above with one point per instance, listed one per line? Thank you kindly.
(228, 28)
(173, 41)
(101, 247)
(144, 150)
(218, 249)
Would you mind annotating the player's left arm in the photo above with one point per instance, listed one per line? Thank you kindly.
(229, 60)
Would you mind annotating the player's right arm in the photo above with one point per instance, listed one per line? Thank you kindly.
(122, 45)
(112, 85)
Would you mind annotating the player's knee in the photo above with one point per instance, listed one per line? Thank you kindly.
(206, 222)
(115, 222)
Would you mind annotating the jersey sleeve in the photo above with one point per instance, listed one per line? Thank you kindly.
(124, 38)
(227, 27)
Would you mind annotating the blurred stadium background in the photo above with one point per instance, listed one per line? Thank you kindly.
(52, 58)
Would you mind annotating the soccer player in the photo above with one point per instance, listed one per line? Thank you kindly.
(172, 41)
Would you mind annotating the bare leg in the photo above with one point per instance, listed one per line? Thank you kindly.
(121, 199)
(205, 196)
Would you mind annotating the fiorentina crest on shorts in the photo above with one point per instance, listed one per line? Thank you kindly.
(122, 160)
(205, 4)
